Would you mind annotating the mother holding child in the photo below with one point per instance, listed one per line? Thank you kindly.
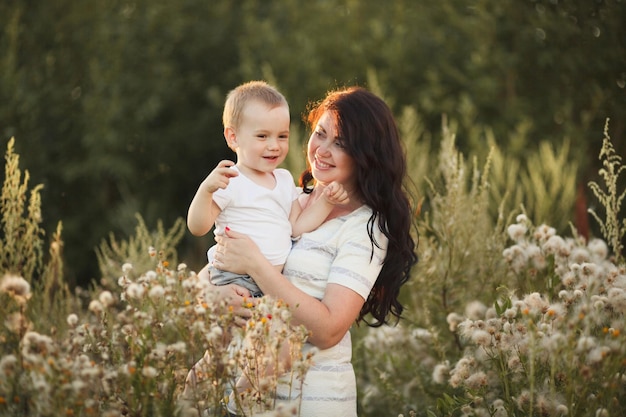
(352, 266)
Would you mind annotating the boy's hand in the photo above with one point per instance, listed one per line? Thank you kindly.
(336, 194)
(219, 177)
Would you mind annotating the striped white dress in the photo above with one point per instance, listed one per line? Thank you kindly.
(337, 252)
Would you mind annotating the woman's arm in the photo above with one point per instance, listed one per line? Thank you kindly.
(327, 319)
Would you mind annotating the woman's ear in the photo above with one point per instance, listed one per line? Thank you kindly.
(231, 138)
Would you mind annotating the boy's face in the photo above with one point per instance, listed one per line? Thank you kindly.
(262, 138)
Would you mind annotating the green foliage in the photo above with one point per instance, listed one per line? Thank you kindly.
(139, 249)
(613, 227)
(21, 246)
(545, 184)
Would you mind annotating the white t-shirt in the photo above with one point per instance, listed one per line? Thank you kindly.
(258, 212)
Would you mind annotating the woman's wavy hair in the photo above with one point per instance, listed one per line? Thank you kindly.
(370, 136)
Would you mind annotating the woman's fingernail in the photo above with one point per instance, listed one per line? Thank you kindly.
(227, 229)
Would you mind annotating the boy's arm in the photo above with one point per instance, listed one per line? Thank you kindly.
(309, 219)
(203, 210)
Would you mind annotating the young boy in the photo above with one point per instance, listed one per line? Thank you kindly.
(254, 196)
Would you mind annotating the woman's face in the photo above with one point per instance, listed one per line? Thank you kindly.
(328, 158)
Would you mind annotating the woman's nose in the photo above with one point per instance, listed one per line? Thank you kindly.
(322, 149)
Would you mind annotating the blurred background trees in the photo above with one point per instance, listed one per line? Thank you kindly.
(116, 106)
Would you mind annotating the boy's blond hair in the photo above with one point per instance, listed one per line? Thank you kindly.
(252, 90)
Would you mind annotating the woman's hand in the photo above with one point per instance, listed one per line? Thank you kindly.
(236, 252)
(234, 295)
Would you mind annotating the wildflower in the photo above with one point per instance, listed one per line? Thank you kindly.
(149, 372)
(543, 233)
(72, 320)
(481, 338)
(579, 255)
(556, 245)
(152, 251)
(123, 282)
(156, 292)
(598, 248)
(510, 313)
(516, 257)
(8, 365)
(453, 320)
(536, 256)
(476, 381)
(106, 298)
(517, 231)
(585, 343)
(597, 354)
(126, 268)
(96, 307)
(562, 410)
(16, 287)
(521, 218)
(17, 323)
(617, 299)
(475, 310)
(181, 267)
(441, 372)
(135, 290)
(36, 346)
(536, 302)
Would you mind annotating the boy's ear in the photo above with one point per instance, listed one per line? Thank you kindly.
(231, 137)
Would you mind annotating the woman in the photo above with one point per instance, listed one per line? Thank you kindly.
(354, 264)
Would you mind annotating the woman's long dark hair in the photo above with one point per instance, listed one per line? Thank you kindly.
(370, 136)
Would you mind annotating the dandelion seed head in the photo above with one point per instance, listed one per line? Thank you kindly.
(617, 299)
(96, 307)
(585, 343)
(579, 255)
(522, 218)
(72, 320)
(475, 310)
(441, 372)
(135, 291)
(555, 245)
(481, 338)
(561, 410)
(598, 248)
(602, 412)
(123, 281)
(514, 363)
(597, 354)
(544, 232)
(476, 380)
(535, 302)
(106, 298)
(149, 372)
(517, 232)
(16, 287)
(127, 268)
(156, 292)
(453, 320)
